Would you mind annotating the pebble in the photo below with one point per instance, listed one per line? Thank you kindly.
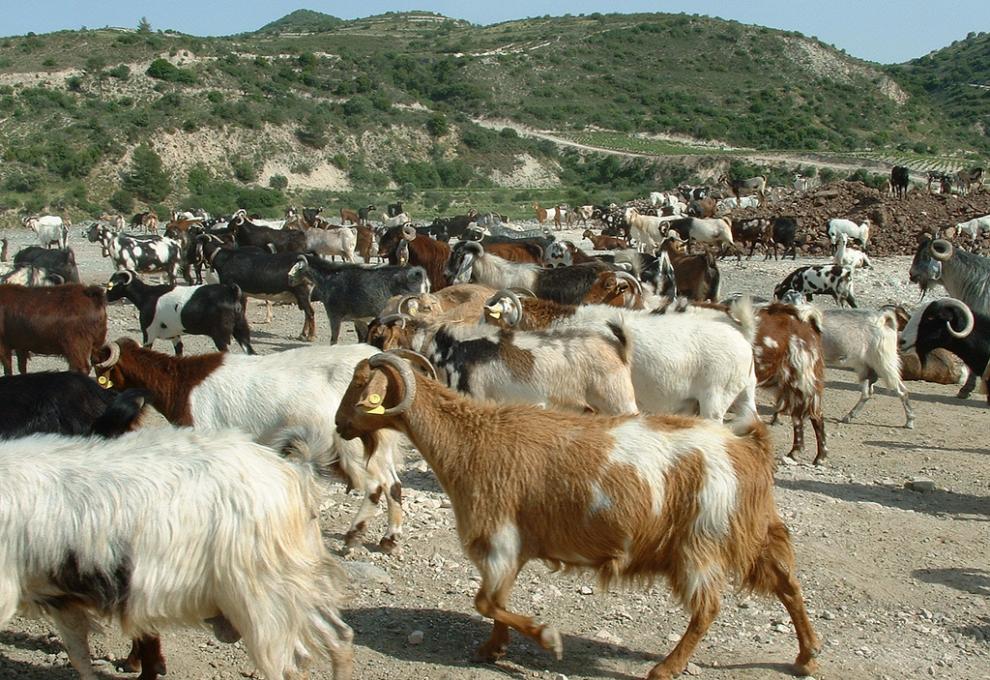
(693, 669)
(367, 572)
(920, 484)
(416, 637)
(587, 590)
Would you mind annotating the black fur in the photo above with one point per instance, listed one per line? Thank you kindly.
(61, 262)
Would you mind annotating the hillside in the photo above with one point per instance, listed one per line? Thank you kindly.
(311, 103)
(957, 79)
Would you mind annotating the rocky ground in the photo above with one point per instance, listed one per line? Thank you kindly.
(896, 579)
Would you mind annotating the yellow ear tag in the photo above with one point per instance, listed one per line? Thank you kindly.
(377, 409)
(494, 313)
(104, 382)
(109, 286)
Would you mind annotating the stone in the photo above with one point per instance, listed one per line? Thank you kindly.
(693, 669)
(920, 484)
(416, 637)
(366, 572)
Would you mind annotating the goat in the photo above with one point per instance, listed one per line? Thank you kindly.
(974, 227)
(332, 242)
(65, 403)
(148, 220)
(705, 208)
(366, 243)
(404, 245)
(555, 213)
(967, 179)
(696, 277)
(395, 220)
(279, 399)
(446, 228)
(50, 229)
(717, 230)
(745, 187)
(935, 326)
(618, 289)
(198, 529)
(847, 256)
(859, 232)
(783, 232)
(819, 279)
(247, 233)
(681, 363)
(964, 275)
(348, 215)
(866, 341)
(789, 360)
(941, 366)
(574, 369)
(167, 312)
(358, 293)
(264, 276)
(604, 242)
(68, 321)
(573, 492)
(900, 178)
(648, 230)
(60, 262)
(409, 321)
(29, 275)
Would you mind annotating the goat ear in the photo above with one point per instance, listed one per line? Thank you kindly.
(372, 400)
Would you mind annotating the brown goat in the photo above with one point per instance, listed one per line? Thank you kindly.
(506, 310)
(618, 289)
(517, 252)
(697, 276)
(404, 315)
(789, 360)
(366, 246)
(348, 215)
(403, 245)
(68, 321)
(631, 498)
(604, 242)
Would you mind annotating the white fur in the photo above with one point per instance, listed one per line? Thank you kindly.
(208, 524)
(333, 242)
(168, 313)
(975, 226)
(290, 395)
(847, 256)
(837, 226)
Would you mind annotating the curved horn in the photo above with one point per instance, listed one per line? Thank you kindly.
(523, 291)
(416, 358)
(389, 318)
(404, 303)
(405, 374)
(57, 279)
(516, 316)
(474, 247)
(129, 277)
(408, 232)
(941, 249)
(967, 314)
(631, 279)
(113, 358)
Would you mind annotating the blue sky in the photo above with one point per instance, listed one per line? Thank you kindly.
(879, 30)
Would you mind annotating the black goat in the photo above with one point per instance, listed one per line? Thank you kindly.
(357, 292)
(783, 232)
(214, 310)
(950, 324)
(900, 176)
(61, 262)
(263, 275)
(65, 403)
(247, 233)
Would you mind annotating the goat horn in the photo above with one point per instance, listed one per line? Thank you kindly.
(129, 277)
(941, 249)
(404, 303)
(58, 279)
(967, 314)
(389, 318)
(408, 232)
(631, 279)
(405, 375)
(113, 358)
(524, 291)
(416, 358)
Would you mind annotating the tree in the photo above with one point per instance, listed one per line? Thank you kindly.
(147, 179)
(144, 26)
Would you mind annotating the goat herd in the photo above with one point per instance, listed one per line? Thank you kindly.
(625, 469)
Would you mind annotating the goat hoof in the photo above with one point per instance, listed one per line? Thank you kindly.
(490, 653)
(909, 424)
(846, 419)
(805, 669)
(550, 641)
(788, 460)
(388, 544)
(963, 394)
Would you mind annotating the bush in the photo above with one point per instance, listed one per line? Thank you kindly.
(147, 178)
(162, 69)
(122, 200)
(278, 182)
(437, 125)
(22, 181)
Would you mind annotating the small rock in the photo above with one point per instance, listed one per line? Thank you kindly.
(367, 572)
(693, 669)
(827, 615)
(416, 637)
(920, 484)
(673, 637)
(587, 590)
(559, 676)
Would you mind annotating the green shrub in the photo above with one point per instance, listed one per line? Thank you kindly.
(437, 125)
(122, 200)
(120, 72)
(162, 69)
(23, 181)
(147, 178)
(244, 170)
(278, 182)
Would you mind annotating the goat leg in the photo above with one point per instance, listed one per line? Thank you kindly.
(704, 614)
(490, 602)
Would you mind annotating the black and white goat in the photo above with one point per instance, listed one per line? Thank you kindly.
(819, 279)
(55, 262)
(935, 325)
(146, 254)
(169, 312)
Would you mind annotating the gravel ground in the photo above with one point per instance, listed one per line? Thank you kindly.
(896, 580)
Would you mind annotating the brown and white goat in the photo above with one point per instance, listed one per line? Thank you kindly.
(602, 242)
(367, 245)
(68, 320)
(697, 276)
(618, 289)
(409, 321)
(631, 498)
(941, 366)
(348, 215)
(789, 360)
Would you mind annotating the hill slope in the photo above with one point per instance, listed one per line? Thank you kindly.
(314, 101)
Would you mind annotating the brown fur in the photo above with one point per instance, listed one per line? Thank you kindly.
(603, 242)
(536, 471)
(516, 252)
(537, 314)
(348, 215)
(169, 380)
(784, 369)
(424, 251)
(68, 320)
(695, 275)
(609, 289)
(365, 242)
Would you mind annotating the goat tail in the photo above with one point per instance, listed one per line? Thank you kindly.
(749, 427)
(741, 311)
(623, 338)
(123, 414)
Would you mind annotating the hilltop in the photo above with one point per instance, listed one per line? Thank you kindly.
(313, 103)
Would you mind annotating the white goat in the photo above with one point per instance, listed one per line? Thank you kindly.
(838, 225)
(865, 340)
(166, 527)
(396, 220)
(336, 241)
(574, 370)
(847, 256)
(50, 229)
(648, 230)
(974, 227)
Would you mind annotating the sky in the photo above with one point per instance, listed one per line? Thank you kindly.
(884, 31)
